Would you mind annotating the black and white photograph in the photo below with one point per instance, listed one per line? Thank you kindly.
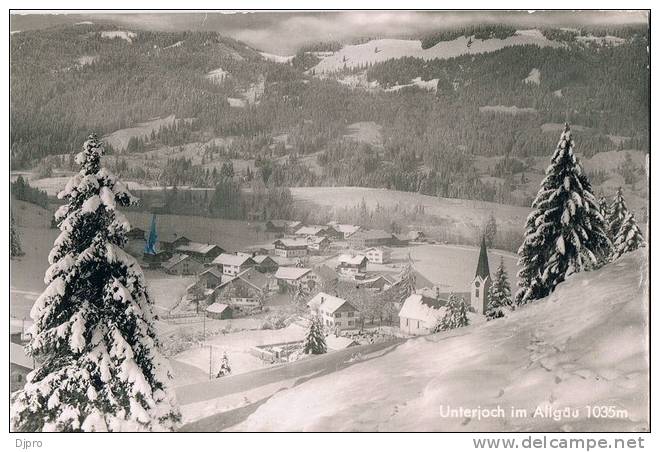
(329, 221)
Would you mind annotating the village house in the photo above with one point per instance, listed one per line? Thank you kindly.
(370, 238)
(378, 255)
(210, 278)
(233, 264)
(296, 276)
(155, 260)
(275, 228)
(318, 245)
(219, 311)
(400, 240)
(318, 231)
(419, 315)
(182, 264)
(336, 313)
(282, 226)
(244, 291)
(265, 263)
(377, 283)
(202, 252)
(345, 230)
(20, 364)
(291, 247)
(352, 266)
(170, 242)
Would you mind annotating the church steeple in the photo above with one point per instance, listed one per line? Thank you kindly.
(482, 265)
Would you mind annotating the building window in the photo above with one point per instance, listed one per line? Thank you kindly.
(476, 293)
(350, 323)
(351, 313)
(338, 315)
(476, 284)
(407, 322)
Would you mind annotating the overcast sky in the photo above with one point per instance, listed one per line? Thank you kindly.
(284, 32)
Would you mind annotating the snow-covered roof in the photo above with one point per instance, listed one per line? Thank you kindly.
(351, 260)
(310, 230)
(315, 239)
(338, 342)
(231, 259)
(346, 229)
(174, 260)
(290, 243)
(291, 273)
(194, 247)
(418, 307)
(216, 308)
(381, 249)
(327, 302)
(262, 257)
(18, 356)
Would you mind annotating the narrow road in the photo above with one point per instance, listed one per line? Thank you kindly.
(302, 370)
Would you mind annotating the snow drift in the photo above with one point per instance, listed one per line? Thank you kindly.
(574, 361)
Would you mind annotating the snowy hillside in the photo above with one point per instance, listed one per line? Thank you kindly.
(386, 49)
(585, 345)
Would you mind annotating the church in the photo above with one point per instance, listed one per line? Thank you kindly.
(423, 309)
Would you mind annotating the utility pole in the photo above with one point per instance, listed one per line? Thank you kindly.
(210, 362)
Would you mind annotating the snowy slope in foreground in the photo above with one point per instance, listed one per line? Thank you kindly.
(583, 345)
(379, 50)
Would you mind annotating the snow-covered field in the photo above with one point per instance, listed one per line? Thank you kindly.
(121, 34)
(460, 212)
(379, 50)
(585, 346)
(237, 346)
(510, 110)
(119, 138)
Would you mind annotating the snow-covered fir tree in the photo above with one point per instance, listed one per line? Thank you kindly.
(566, 232)
(604, 207)
(405, 284)
(98, 363)
(499, 294)
(225, 368)
(14, 239)
(629, 238)
(617, 213)
(455, 315)
(315, 339)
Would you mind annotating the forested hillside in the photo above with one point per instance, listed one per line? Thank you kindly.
(289, 127)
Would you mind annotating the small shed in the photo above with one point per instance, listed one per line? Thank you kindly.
(219, 311)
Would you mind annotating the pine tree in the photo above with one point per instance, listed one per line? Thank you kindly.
(455, 315)
(14, 239)
(225, 368)
(94, 340)
(565, 233)
(617, 213)
(315, 339)
(499, 294)
(629, 237)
